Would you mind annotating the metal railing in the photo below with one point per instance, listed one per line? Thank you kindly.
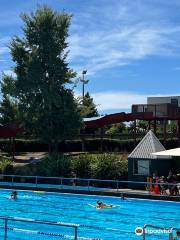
(34, 221)
(82, 183)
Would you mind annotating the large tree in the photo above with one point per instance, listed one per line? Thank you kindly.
(48, 107)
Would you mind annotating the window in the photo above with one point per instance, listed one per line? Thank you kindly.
(174, 101)
(141, 167)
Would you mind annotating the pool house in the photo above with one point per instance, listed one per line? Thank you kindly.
(142, 163)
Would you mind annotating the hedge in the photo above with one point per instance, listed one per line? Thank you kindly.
(102, 166)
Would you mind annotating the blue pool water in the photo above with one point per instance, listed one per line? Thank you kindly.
(107, 224)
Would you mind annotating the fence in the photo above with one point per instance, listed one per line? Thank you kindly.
(89, 184)
(32, 230)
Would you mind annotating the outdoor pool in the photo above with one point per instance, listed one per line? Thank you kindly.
(108, 224)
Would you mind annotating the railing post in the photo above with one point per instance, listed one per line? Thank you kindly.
(149, 187)
(75, 233)
(5, 229)
(12, 180)
(88, 184)
(61, 182)
(171, 234)
(36, 181)
(117, 186)
(144, 232)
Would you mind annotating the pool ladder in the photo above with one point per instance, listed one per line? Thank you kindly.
(170, 231)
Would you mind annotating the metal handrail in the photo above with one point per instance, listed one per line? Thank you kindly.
(87, 179)
(88, 183)
(29, 220)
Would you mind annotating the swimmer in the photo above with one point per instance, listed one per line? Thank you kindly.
(102, 205)
(14, 195)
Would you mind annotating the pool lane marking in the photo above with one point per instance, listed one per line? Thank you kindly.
(145, 217)
(71, 224)
(94, 195)
(90, 211)
(49, 234)
(64, 235)
(64, 223)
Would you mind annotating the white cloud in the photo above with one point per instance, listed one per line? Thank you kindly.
(177, 68)
(102, 50)
(121, 100)
(4, 41)
(120, 33)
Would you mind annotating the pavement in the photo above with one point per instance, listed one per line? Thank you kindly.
(29, 157)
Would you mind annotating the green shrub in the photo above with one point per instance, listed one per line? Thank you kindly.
(54, 165)
(81, 165)
(5, 165)
(109, 166)
(102, 166)
(26, 170)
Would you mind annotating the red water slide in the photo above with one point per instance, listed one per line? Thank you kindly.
(117, 118)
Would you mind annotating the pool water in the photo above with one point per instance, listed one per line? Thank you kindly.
(107, 224)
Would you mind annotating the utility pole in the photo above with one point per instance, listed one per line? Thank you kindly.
(83, 82)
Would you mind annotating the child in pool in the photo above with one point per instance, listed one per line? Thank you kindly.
(14, 195)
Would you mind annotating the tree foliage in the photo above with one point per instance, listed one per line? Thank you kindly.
(142, 125)
(87, 107)
(46, 105)
(116, 128)
(9, 107)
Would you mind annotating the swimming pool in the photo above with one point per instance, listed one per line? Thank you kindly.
(107, 224)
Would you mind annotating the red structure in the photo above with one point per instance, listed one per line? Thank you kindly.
(148, 112)
(117, 118)
(10, 131)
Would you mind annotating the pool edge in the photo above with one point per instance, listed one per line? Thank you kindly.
(96, 192)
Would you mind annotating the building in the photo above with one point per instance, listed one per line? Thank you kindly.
(141, 162)
(157, 112)
(175, 100)
(161, 107)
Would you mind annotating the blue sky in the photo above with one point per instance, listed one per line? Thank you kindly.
(131, 48)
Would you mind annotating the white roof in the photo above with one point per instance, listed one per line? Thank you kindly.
(92, 118)
(148, 145)
(171, 152)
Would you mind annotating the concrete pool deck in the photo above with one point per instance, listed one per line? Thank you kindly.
(131, 193)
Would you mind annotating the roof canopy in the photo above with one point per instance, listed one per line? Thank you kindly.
(148, 145)
(171, 152)
(9, 131)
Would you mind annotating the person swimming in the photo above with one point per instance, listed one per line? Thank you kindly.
(14, 195)
(102, 205)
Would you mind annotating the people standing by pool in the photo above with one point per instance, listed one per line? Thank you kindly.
(172, 179)
(175, 187)
(74, 180)
(162, 185)
(153, 181)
